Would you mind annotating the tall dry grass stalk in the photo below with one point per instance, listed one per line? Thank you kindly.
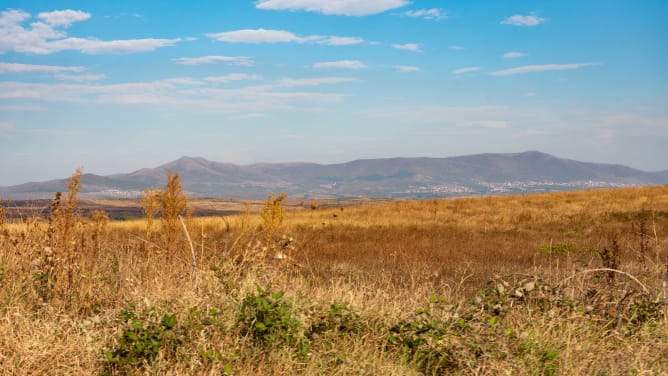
(173, 203)
(149, 202)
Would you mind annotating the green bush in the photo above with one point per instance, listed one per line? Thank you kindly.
(269, 320)
(142, 339)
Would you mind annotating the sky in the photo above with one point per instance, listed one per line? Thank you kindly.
(114, 86)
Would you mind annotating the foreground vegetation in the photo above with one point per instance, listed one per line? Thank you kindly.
(564, 283)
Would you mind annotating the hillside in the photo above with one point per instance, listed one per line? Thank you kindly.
(391, 177)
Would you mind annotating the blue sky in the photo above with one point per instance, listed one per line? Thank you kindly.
(116, 86)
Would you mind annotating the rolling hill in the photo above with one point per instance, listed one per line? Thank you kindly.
(390, 177)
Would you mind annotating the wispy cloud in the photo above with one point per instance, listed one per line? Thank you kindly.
(520, 20)
(414, 47)
(513, 55)
(280, 36)
(406, 68)
(456, 48)
(465, 70)
(179, 91)
(49, 36)
(541, 68)
(293, 82)
(232, 77)
(427, 14)
(333, 7)
(80, 77)
(342, 41)
(345, 64)
(32, 68)
(212, 59)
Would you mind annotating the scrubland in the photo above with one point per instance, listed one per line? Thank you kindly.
(550, 284)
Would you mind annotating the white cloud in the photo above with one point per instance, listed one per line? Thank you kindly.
(232, 60)
(333, 7)
(408, 47)
(530, 94)
(346, 64)
(406, 68)
(257, 36)
(456, 48)
(63, 17)
(292, 82)
(232, 77)
(541, 68)
(465, 70)
(80, 77)
(95, 46)
(30, 68)
(49, 36)
(280, 36)
(428, 14)
(513, 55)
(520, 20)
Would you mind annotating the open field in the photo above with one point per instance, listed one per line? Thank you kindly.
(565, 283)
(125, 209)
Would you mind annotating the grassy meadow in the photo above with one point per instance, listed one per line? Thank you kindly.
(546, 284)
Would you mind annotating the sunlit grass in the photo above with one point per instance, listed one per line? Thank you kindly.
(397, 266)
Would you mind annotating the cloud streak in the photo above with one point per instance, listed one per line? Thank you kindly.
(294, 82)
(465, 70)
(280, 36)
(333, 7)
(33, 68)
(541, 68)
(513, 55)
(212, 59)
(232, 77)
(406, 68)
(183, 92)
(340, 64)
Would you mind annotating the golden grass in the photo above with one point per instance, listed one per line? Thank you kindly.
(383, 261)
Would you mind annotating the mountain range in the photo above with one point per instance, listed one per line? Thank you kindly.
(478, 174)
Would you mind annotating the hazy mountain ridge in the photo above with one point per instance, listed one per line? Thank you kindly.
(389, 177)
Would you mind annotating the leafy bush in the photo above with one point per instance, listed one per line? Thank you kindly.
(269, 319)
(142, 339)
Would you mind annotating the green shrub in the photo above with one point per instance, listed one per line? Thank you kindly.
(269, 320)
(142, 339)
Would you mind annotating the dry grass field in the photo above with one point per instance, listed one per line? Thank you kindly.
(552, 284)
